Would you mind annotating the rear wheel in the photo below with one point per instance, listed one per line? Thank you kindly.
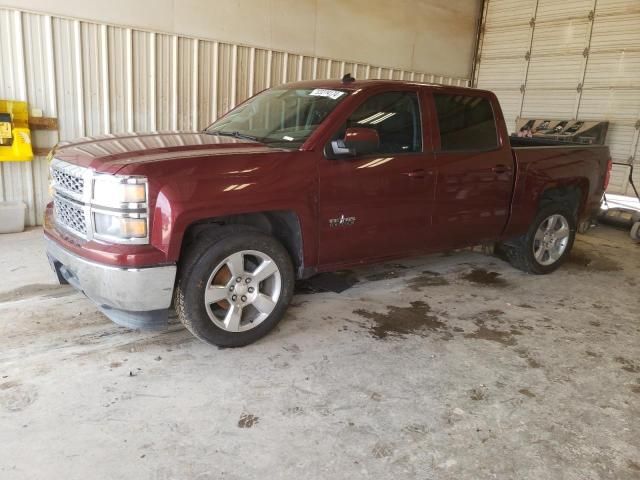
(547, 243)
(234, 286)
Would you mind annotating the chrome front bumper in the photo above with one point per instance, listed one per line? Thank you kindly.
(132, 297)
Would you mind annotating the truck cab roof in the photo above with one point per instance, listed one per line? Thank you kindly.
(357, 84)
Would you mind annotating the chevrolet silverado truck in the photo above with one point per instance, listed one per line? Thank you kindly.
(305, 178)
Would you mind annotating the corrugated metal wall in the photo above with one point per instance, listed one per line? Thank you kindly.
(99, 78)
(568, 59)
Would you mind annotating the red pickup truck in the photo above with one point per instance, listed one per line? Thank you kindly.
(304, 178)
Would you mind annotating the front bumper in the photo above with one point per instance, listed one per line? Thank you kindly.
(132, 297)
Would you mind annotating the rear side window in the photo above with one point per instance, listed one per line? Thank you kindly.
(466, 123)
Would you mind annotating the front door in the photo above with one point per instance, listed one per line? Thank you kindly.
(374, 206)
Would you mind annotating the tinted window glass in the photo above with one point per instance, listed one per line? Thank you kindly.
(396, 117)
(466, 122)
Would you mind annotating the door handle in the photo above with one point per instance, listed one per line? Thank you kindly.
(500, 169)
(414, 173)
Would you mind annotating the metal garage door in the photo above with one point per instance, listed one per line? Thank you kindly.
(567, 59)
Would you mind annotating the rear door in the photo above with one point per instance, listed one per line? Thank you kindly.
(374, 206)
(474, 170)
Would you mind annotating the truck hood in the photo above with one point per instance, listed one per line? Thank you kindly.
(111, 153)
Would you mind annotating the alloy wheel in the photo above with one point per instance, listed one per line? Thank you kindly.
(551, 239)
(242, 290)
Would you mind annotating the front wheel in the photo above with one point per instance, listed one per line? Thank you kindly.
(234, 287)
(547, 243)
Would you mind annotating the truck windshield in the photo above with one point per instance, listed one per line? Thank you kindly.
(279, 117)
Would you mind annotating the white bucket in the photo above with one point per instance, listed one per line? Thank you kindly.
(12, 217)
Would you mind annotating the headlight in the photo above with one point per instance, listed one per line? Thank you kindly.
(119, 227)
(116, 191)
(120, 209)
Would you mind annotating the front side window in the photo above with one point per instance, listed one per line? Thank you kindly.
(396, 118)
(283, 117)
(466, 122)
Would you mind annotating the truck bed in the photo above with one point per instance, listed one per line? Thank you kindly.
(545, 164)
(520, 142)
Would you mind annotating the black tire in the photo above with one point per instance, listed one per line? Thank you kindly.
(520, 251)
(635, 232)
(208, 251)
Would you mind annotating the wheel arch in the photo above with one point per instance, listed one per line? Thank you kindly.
(283, 225)
(572, 194)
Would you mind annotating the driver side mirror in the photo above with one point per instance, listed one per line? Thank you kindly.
(357, 141)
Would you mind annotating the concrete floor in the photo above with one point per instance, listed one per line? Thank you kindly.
(449, 366)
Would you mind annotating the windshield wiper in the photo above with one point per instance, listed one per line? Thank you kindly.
(234, 134)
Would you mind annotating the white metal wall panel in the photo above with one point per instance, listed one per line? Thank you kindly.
(615, 32)
(16, 177)
(511, 104)
(12, 74)
(554, 72)
(612, 81)
(501, 13)
(557, 61)
(187, 91)
(613, 69)
(98, 78)
(166, 82)
(207, 72)
(503, 51)
(561, 37)
(613, 104)
(583, 62)
(38, 59)
(618, 7)
(553, 10)
(95, 79)
(242, 82)
(501, 73)
(120, 68)
(144, 81)
(549, 103)
(67, 50)
(41, 90)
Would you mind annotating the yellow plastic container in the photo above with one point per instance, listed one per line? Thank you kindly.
(15, 136)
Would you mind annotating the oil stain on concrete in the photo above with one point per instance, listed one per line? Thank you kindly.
(416, 319)
(477, 394)
(526, 392)
(484, 332)
(579, 259)
(247, 420)
(499, 336)
(628, 365)
(531, 362)
(427, 279)
(384, 275)
(480, 276)
(336, 282)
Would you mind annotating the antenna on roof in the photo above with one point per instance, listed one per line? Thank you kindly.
(348, 78)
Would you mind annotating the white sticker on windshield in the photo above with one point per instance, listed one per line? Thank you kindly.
(323, 92)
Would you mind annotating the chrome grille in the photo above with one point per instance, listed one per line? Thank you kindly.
(70, 180)
(67, 181)
(74, 205)
(70, 216)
